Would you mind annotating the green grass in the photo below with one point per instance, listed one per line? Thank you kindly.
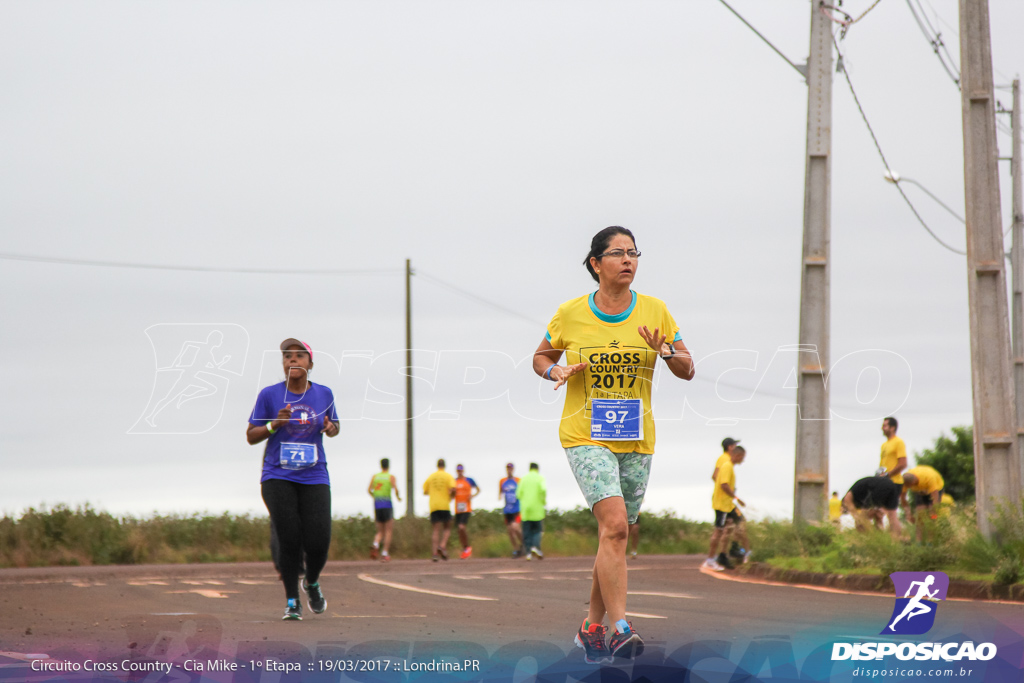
(83, 536)
(955, 546)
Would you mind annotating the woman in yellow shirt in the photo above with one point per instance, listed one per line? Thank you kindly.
(612, 340)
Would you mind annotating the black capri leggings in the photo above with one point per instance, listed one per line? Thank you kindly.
(301, 515)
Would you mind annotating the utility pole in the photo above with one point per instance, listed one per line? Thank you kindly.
(410, 505)
(997, 469)
(1017, 266)
(812, 419)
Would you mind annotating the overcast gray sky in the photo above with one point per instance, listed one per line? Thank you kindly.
(487, 142)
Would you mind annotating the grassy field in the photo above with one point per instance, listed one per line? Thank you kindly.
(955, 546)
(83, 536)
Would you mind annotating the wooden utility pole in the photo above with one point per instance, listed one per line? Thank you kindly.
(1017, 266)
(997, 469)
(410, 505)
(812, 419)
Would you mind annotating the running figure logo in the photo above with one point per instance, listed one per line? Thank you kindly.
(194, 364)
(914, 613)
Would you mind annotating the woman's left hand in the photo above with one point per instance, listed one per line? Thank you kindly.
(655, 340)
(330, 428)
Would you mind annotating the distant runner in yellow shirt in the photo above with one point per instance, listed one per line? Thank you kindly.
(440, 486)
(727, 518)
(894, 452)
(835, 509)
(729, 444)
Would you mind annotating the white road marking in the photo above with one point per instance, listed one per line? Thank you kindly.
(664, 595)
(24, 657)
(85, 584)
(251, 582)
(148, 583)
(640, 615)
(414, 589)
(204, 582)
(205, 592)
(823, 589)
(517, 578)
(467, 577)
(379, 616)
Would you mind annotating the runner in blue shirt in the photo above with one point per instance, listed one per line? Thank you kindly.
(292, 417)
(507, 492)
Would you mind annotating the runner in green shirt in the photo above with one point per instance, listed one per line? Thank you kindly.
(381, 486)
(533, 496)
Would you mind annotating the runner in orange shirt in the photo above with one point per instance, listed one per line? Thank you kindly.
(464, 507)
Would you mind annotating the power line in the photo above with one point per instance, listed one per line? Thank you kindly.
(934, 38)
(849, 21)
(878, 147)
(802, 70)
(480, 299)
(956, 34)
(201, 269)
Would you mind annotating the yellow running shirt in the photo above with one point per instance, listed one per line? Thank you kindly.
(439, 485)
(892, 451)
(928, 479)
(835, 508)
(720, 500)
(621, 363)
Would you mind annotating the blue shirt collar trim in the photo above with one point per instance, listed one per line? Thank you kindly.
(619, 317)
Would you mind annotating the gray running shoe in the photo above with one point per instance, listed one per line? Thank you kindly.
(316, 600)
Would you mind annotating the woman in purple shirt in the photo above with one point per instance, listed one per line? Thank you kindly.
(292, 417)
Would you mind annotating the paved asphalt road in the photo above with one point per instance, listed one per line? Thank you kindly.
(416, 607)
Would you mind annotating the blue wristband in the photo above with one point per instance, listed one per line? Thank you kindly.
(547, 373)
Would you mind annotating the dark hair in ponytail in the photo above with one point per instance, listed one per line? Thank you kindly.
(599, 245)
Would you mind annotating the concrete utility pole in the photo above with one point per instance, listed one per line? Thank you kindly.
(1017, 266)
(812, 420)
(996, 467)
(410, 505)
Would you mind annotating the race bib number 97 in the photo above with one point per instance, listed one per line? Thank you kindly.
(616, 420)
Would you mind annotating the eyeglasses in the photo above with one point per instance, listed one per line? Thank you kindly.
(619, 253)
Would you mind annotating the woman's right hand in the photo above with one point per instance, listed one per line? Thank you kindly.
(284, 416)
(562, 373)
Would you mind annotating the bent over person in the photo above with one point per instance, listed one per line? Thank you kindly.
(927, 485)
(872, 497)
(612, 339)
